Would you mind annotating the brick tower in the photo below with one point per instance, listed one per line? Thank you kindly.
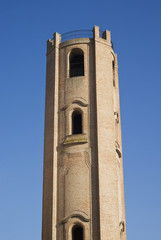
(83, 189)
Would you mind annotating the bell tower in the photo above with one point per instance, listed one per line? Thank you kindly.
(83, 189)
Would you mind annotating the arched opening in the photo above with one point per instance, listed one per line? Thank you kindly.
(113, 65)
(113, 70)
(77, 233)
(77, 122)
(76, 63)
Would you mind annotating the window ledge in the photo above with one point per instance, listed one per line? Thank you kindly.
(76, 77)
(75, 139)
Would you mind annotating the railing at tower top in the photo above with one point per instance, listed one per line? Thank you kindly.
(80, 34)
(77, 34)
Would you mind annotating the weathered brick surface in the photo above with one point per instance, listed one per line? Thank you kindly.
(83, 174)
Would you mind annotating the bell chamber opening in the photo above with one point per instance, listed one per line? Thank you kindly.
(76, 63)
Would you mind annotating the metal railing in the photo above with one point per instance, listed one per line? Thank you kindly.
(80, 34)
(77, 34)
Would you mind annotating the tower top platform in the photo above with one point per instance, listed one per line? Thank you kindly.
(82, 33)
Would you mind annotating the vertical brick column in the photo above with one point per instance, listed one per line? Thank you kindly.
(107, 170)
(50, 140)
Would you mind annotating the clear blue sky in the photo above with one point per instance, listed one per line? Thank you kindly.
(25, 27)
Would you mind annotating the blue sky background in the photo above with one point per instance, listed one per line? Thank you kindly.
(25, 27)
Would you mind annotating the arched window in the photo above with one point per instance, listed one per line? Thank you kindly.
(113, 65)
(76, 63)
(77, 122)
(113, 69)
(77, 233)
